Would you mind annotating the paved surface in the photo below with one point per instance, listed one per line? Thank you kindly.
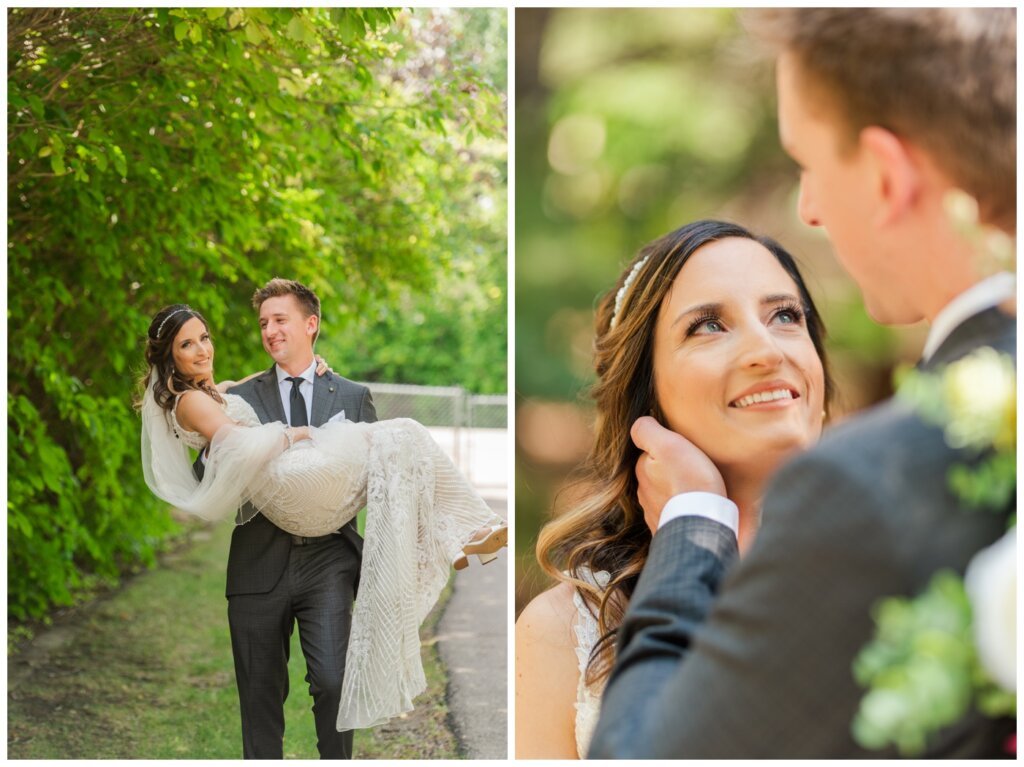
(472, 636)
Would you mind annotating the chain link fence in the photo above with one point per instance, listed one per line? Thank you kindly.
(471, 428)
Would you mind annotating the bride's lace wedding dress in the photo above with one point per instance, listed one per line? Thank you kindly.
(586, 633)
(420, 513)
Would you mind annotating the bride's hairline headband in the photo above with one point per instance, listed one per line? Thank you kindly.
(160, 329)
(620, 297)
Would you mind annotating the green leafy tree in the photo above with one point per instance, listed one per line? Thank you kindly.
(167, 155)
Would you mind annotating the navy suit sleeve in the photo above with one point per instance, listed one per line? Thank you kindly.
(763, 669)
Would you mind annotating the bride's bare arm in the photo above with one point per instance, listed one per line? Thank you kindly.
(547, 673)
(198, 411)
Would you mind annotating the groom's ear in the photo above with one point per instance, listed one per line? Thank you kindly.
(312, 326)
(898, 178)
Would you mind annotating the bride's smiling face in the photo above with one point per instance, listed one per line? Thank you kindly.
(735, 369)
(193, 350)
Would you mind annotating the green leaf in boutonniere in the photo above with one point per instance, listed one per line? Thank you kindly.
(974, 401)
(919, 667)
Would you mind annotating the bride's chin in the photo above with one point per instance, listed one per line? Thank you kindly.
(769, 458)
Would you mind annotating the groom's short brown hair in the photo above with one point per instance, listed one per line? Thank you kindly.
(943, 78)
(307, 299)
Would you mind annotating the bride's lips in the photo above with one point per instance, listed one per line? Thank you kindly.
(767, 395)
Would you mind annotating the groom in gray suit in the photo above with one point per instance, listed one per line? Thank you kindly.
(276, 579)
(886, 111)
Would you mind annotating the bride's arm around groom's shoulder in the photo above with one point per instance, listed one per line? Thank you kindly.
(547, 674)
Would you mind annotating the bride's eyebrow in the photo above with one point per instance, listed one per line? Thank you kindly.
(780, 298)
(698, 309)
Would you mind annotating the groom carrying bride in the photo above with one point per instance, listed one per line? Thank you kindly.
(887, 112)
(276, 579)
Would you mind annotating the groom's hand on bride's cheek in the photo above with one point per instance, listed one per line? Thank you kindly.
(670, 465)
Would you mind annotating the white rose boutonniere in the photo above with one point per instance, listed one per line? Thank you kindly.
(980, 393)
(991, 583)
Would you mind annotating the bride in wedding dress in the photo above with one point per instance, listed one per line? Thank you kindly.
(422, 516)
(710, 329)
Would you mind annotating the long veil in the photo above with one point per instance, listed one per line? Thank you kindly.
(234, 472)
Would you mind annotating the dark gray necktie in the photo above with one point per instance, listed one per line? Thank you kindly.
(297, 403)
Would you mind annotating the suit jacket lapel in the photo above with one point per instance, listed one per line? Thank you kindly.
(984, 327)
(270, 395)
(325, 390)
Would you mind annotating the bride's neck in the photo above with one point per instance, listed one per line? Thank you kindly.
(746, 491)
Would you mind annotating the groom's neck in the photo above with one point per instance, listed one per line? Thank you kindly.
(296, 367)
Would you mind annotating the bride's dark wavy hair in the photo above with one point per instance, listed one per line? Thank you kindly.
(160, 357)
(605, 528)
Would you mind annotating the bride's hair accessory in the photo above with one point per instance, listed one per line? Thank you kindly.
(620, 297)
(160, 329)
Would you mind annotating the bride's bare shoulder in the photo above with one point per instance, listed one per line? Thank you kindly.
(547, 676)
(548, 617)
(195, 398)
(197, 408)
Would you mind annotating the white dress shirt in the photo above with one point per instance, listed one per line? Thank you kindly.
(716, 507)
(983, 295)
(305, 389)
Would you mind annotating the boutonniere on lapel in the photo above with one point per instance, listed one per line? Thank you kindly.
(953, 646)
(974, 401)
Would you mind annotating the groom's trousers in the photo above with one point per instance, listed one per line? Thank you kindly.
(316, 591)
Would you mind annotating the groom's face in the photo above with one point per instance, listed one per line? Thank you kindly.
(286, 331)
(840, 190)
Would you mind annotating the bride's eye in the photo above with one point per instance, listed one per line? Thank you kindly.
(789, 315)
(705, 325)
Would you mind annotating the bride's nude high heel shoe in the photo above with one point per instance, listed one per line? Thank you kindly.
(485, 548)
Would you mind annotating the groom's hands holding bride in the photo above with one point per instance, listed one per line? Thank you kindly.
(670, 465)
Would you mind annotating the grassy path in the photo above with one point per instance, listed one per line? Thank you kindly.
(146, 673)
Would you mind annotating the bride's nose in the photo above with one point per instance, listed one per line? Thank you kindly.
(759, 348)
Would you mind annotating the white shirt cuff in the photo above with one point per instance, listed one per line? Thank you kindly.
(709, 505)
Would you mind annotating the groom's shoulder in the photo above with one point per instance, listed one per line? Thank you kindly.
(344, 384)
(892, 433)
(884, 445)
(248, 388)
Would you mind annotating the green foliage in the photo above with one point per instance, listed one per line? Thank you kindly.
(989, 484)
(630, 122)
(422, 338)
(921, 668)
(190, 154)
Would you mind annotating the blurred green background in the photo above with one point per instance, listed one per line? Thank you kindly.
(629, 124)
